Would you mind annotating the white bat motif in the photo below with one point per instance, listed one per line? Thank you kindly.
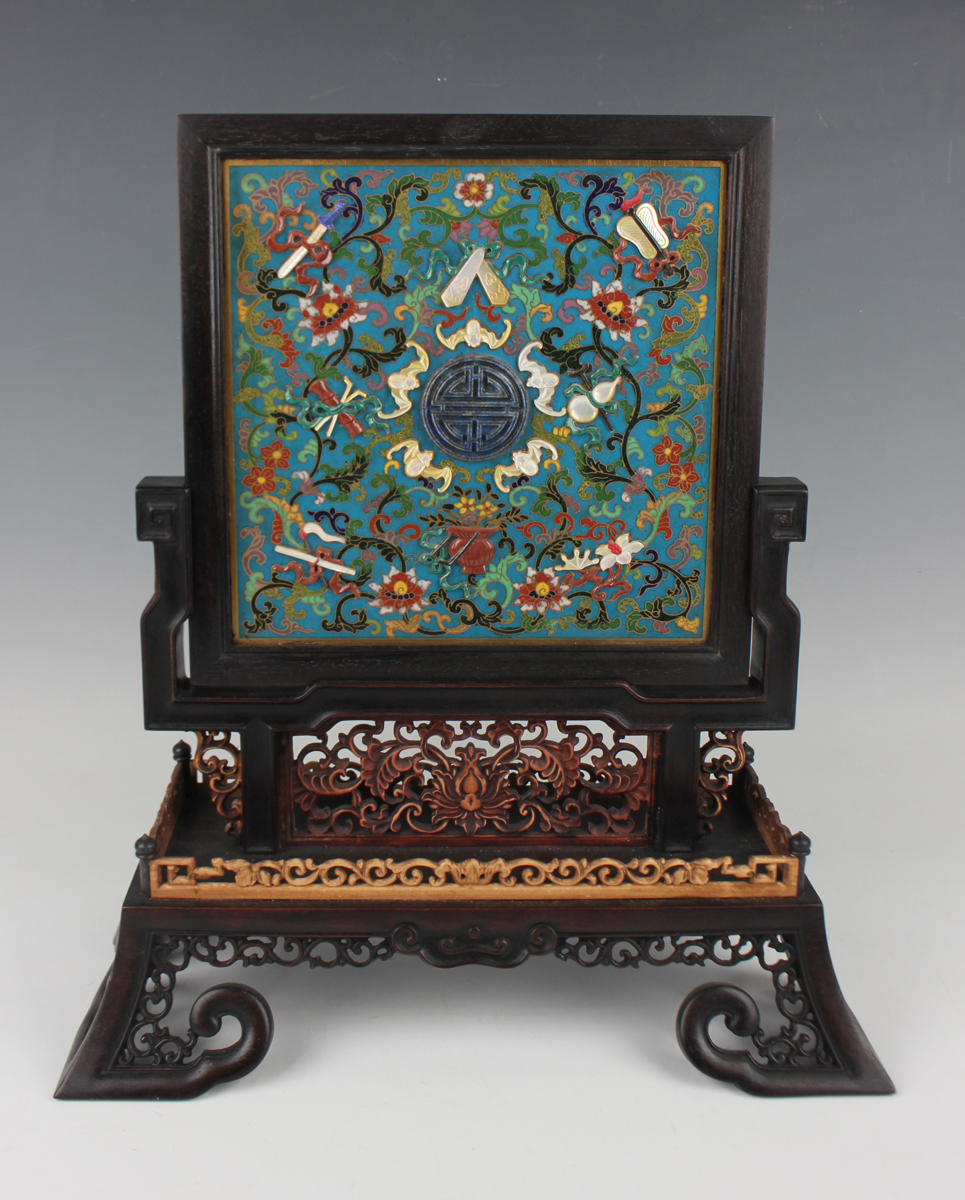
(539, 377)
(404, 381)
(525, 462)
(417, 462)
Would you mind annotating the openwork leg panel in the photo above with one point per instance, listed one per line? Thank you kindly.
(819, 1050)
(126, 1050)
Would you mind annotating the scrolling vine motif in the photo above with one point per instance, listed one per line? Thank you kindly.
(341, 874)
(218, 760)
(474, 778)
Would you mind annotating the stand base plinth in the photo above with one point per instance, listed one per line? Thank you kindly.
(125, 1051)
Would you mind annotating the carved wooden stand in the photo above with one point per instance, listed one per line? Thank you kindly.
(452, 821)
(125, 1051)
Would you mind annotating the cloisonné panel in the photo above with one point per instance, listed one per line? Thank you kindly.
(472, 401)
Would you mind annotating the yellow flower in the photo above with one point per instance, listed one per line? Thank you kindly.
(691, 626)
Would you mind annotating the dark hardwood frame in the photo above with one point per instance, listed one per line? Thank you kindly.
(743, 676)
(742, 143)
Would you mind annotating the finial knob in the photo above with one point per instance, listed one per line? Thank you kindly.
(800, 845)
(145, 847)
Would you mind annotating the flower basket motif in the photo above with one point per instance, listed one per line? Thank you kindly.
(471, 548)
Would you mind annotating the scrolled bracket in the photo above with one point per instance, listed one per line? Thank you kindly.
(257, 1029)
(218, 761)
(722, 756)
(181, 1080)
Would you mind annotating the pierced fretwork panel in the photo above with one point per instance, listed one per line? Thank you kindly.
(472, 779)
(723, 753)
(217, 760)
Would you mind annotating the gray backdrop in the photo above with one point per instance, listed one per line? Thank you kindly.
(532, 1072)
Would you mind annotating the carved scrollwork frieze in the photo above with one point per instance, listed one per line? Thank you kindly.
(499, 879)
(472, 778)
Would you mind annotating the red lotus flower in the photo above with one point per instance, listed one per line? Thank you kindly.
(612, 310)
(331, 311)
(541, 591)
(683, 476)
(474, 190)
(276, 455)
(400, 591)
(260, 480)
(667, 451)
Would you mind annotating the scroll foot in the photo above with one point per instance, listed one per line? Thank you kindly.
(797, 1061)
(124, 1052)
